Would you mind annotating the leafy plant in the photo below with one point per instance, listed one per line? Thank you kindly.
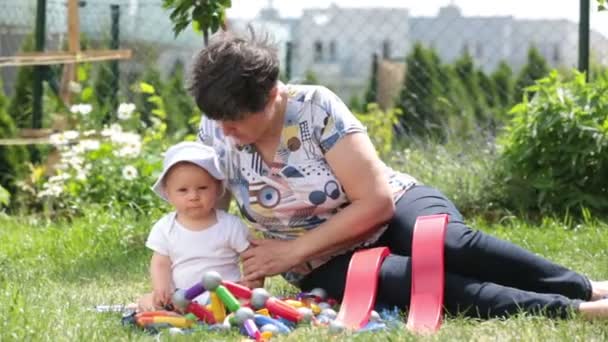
(5, 196)
(114, 167)
(205, 15)
(380, 127)
(20, 107)
(12, 158)
(555, 150)
(535, 68)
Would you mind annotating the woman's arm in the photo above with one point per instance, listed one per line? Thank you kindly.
(356, 165)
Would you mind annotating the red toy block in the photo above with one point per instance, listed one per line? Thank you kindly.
(280, 308)
(201, 313)
(238, 290)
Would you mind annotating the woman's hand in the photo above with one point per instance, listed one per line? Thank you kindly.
(267, 257)
(252, 284)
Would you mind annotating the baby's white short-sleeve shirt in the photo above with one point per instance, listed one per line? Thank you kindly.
(193, 253)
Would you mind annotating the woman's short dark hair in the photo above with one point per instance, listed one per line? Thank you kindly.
(233, 75)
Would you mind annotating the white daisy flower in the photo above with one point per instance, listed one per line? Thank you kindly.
(131, 150)
(75, 87)
(125, 111)
(85, 108)
(81, 108)
(71, 135)
(58, 139)
(129, 172)
(75, 109)
(111, 131)
(89, 145)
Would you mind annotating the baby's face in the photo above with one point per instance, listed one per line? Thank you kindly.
(191, 190)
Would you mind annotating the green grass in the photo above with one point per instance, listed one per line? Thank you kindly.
(53, 274)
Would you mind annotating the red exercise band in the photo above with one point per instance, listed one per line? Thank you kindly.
(428, 275)
(361, 286)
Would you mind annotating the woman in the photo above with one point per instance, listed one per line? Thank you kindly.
(303, 171)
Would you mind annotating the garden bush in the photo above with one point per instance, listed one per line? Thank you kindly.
(12, 158)
(113, 167)
(555, 148)
(462, 169)
(380, 127)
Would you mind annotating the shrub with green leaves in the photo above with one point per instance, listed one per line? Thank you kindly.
(113, 167)
(380, 127)
(12, 158)
(555, 149)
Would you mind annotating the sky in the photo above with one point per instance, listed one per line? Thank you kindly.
(521, 9)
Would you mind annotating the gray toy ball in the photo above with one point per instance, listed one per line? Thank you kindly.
(324, 305)
(179, 299)
(243, 314)
(259, 297)
(211, 280)
(336, 327)
(331, 313)
(306, 313)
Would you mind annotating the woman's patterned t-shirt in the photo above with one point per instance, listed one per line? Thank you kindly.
(298, 191)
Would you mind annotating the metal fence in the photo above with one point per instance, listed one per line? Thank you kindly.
(334, 46)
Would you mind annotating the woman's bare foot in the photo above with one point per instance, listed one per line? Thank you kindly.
(599, 290)
(594, 310)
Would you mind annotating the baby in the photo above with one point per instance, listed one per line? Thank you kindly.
(196, 237)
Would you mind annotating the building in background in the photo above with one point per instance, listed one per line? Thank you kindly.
(268, 22)
(335, 44)
(490, 40)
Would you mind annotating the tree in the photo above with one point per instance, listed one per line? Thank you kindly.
(371, 94)
(20, 107)
(536, 68)
(464, 68)
(12, 158)
(420, 91)
(455, 105)
(152, 77)
(504, 86)
(205, 15)
(179, 104)
(104, 94)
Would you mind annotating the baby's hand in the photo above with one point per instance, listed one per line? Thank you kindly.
(162, 296)
(146, 303)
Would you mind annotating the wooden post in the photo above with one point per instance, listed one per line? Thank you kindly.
(69, 69)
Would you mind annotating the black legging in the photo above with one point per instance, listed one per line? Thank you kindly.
(485, 276)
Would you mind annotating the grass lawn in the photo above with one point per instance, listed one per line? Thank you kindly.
(53, 274)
